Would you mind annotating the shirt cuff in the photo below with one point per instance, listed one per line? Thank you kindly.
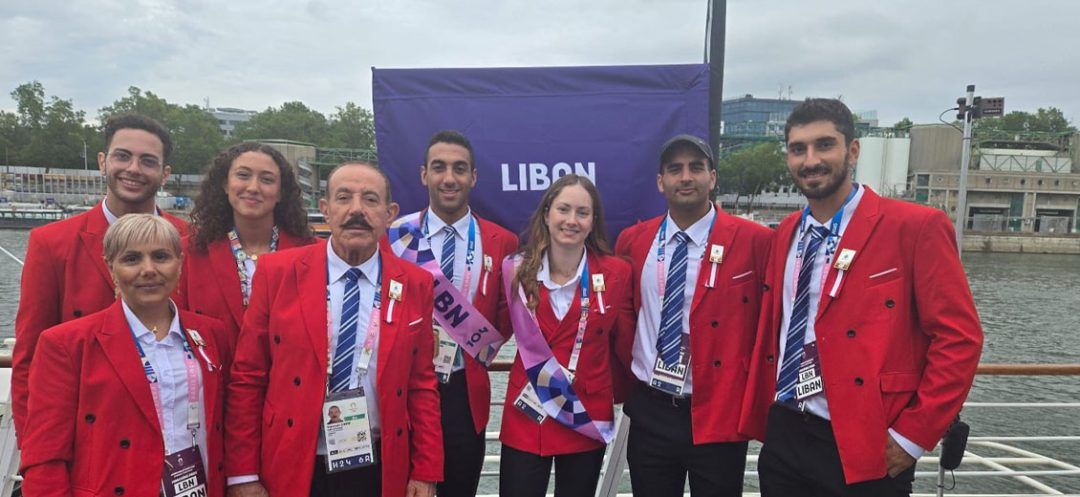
(237, 480)
(910, 447)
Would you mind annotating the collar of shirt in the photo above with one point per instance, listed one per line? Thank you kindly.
(435, 224)
(336, 266)
(849, 211)
(144, 335)
(698, 232)
(111, 218)
(544, 275)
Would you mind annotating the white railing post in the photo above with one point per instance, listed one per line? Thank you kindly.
(615, 460)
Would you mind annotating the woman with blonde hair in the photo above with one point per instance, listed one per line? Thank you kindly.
(569, 299)
(128, 400)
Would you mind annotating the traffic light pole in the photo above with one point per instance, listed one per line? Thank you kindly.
(965, 162)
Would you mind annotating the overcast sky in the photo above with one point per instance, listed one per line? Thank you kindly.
(902, 58)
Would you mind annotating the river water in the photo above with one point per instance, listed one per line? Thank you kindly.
(1030, 309)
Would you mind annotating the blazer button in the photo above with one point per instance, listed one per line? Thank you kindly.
(858, 381)
(198, 311)
(765, 287)
(221, 466)
(399, 392)
(745, 299)
(414, 350)
(125, 443)
(716, 364)
(714, 324)
(77, 313)
(296, 381)
(289, 422)
(600, 331)
(770, 358)
(851, 333)
(890, 304)
(118, 490)
(90, 418)
(277, 339)
(399, 432)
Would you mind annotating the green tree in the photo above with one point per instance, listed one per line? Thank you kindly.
(903, 124)
(1048, 120)
(292, 121)
(44, 131)
(351, 126)
(751, 171)
(195, 133)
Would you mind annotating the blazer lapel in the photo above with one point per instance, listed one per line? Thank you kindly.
(118, 344)
(855, 236)
(91, 237)
(211, 378)
(310, 272)
(722, 233)
(223, 262)
(782, 240)
(388, 332)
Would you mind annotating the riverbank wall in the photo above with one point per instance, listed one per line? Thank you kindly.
(1021, 243)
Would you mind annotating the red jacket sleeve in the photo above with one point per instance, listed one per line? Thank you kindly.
(947, 316)
(49, 446)
(248, 378)
(425, 442)
(39, 309)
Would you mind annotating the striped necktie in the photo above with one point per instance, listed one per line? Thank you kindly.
(800, 315)
(669, 340)
(341, 373)
(447, 262)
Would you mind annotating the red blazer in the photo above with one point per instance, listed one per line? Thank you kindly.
(898, 345)
(278, 380)
(723, 319)
(210, 283)
(593, 379)
(496, 242)
(65, 277)
(93, 429)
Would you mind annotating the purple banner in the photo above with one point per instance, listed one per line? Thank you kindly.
(529, 126)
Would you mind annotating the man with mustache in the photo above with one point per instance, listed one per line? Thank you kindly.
(469, 251)
(337, 324)
(64, 276)
(869, 337)
(697, 285)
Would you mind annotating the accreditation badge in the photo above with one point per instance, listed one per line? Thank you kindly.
(810, 382)
(347, 430)
(444, 359)
(843, 261)
(183, 474)
(670, 379)
(529, 403)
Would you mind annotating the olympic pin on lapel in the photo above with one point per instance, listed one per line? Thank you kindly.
(598, 288)
(201, 345)
(488, 264)
(843, 261)
(716, 256)
(395, 291)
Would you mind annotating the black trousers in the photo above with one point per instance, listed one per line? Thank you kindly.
(462, 446)
(360, 482)
(661, 451)
(523, 474)
(800, 458)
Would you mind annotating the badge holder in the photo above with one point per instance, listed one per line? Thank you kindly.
(672, 379)
(183, 474)
(810, 382)
(529, 403)
(347, 430)
(444, 360)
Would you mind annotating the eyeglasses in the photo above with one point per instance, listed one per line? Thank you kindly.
(124, 157)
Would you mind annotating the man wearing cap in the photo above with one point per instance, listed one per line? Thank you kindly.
(869, 337)
(697, 285)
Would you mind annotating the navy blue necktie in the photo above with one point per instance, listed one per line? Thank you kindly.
(800, 315)
(447, 262)
(669, 339)
(341, 372)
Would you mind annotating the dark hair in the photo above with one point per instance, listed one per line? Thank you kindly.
(537, 238)
(212, 217)
(822, 109)
(452, 137)
(361, 162)
(136, 121)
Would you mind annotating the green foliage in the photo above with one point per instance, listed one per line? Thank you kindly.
(903, 124)
(195, 134)
(43, 131)
(292, 121)
(1048, 120)
(752, 170)
(352, 126)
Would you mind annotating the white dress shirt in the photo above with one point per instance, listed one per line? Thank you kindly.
(818, 405)
(167, 358)
(648, 322)
(560, 295)
(437, 237)
(336, 269)
(111, 218)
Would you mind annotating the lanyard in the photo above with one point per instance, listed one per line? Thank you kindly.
(192, 386)
(832, 237)
(661, 271)
(241, 257)
(372, 330)
(583, 283)
(470, 255)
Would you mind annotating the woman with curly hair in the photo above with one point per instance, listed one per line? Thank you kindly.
(249, 204)
(569, 300)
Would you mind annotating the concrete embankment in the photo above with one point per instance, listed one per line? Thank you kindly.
(1021, 243)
